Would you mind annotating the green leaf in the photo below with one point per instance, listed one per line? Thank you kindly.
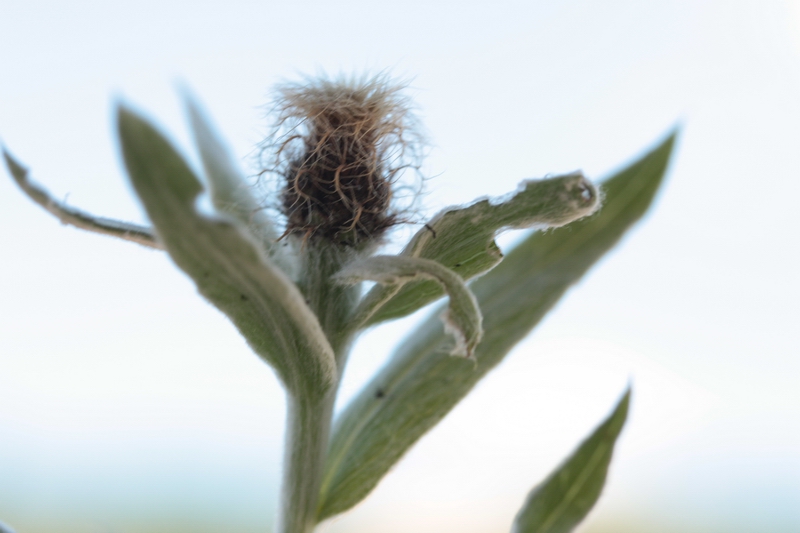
(230, 194)
(225, 263)
(462, 318)
(421, 382)
(463, 239)
(75, 217)
(564, 499)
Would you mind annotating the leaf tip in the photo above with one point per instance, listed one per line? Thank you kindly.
(128, 119)
(125, 117)
(625, 400)
(573, 198)
(675, 131)
(122, 109)
(466, 339)
(672, 136)
(17, 170)
(192, 107)
(583, 195)
(665, 146)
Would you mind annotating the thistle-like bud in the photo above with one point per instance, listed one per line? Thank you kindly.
(341, 146)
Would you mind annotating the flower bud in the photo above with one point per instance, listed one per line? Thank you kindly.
(343, 143)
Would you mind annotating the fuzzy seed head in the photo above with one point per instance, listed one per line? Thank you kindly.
(339, 147)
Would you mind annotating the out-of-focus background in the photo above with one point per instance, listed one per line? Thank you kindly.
(128, 404)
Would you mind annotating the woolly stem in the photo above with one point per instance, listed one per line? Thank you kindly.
(307, 432)
(332, 302)
(309, 414)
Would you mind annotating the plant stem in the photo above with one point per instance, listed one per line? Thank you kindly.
(309, 413)
(332, 302)
(307, 429)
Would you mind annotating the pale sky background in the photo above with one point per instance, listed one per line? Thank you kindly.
(127, 401)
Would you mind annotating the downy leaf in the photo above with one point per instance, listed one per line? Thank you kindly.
(463, 239)
(225, 262)
(564, 499)
(75, 217)
(229, 192)
(421, 382)
(462, 318)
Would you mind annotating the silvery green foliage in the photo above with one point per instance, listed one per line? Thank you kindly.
(297, 299)
(462, 318)
(421, 382)
(564, 499)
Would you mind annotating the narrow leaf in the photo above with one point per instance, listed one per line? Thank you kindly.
(463, 239)
(230, 194)
(564, 499)
(225, 263)
(462, 318)
(421, 383)
(75, 217)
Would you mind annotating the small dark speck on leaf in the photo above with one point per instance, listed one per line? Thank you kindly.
(243, 297)
(433, 231)
(379, 393)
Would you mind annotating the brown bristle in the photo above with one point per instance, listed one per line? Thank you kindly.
(343, 144)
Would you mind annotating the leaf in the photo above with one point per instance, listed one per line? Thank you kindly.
(564, 499)
(225, 263)
(75, 217)
(462, 318)
(463, 239)
(230, 194)
(421, 383)
(5, 529)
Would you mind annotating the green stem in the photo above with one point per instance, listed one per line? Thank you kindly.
(309, 413)
(332, 301)
(307, 430)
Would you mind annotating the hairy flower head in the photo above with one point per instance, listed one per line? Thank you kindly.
(340, 144)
